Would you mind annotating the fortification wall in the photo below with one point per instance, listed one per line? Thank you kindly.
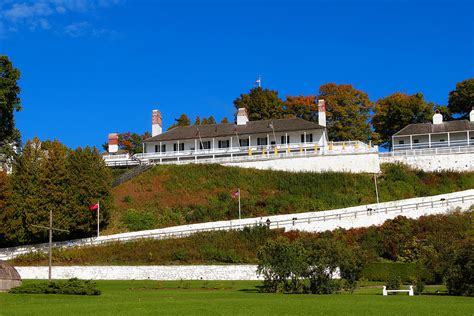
(355, 163)
(461, 162)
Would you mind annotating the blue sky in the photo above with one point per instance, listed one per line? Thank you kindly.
(94, 67)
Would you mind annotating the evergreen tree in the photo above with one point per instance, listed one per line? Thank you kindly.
(224, 120)
(26, 201)
(211, 120)
(89, 182)
(5, 196)
(261, 104)
(197, 121)
(183, 120)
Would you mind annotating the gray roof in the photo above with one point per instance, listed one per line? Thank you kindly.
(230, 129)
(428, 128)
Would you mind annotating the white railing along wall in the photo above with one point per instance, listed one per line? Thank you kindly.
(430, 151)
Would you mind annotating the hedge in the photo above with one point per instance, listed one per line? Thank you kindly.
(384, 271)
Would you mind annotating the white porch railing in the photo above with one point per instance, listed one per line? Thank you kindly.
(452, 143)
(430, 151)
(235, 154)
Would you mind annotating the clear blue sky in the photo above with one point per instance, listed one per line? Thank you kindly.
(94, 67)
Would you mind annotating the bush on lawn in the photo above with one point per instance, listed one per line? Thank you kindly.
(460, 274)
(384, 271)
(71, 287)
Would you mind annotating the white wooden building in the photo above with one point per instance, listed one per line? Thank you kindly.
(437, 134)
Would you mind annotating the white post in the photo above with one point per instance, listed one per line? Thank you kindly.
(410, 293)
(231, 143)
(429, 140)
(411, 141)
(384, 291)
(240, 217)
(468, 138)
(98, 219)
(195, 145)
(213, 146)
(449, 140)
(376, 188)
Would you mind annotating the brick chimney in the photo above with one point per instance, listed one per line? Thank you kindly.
(437, 118)
(156, 123)
(113, 143)
(242, 117)
(322, 112)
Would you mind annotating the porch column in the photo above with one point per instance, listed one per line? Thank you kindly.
(304, 139)
(268, 141)
(195, 145)
(231, 144)
(449, 140)
(468, 137)
(159, 150)
(213, 147)
(250, 141)
(393, 143)
(286, 139)
(411, 141)
(429, 140)
(178, 147)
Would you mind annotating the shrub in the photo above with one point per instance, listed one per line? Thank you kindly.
(384, 271)
(136, 221)
(71, 287)
(419, 287)
(460, 273)
(394, 283)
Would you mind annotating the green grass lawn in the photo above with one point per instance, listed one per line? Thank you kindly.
(226, 298)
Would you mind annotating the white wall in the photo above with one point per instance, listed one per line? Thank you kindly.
(453, 162)
(355, 163)
(197, 272)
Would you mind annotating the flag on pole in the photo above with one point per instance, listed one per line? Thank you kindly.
(235, 194)
(94, 207)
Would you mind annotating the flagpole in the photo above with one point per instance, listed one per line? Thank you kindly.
(98, 217)
(240, 218)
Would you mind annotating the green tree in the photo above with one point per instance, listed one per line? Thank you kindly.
(183, 120)
(197, 121)
(348, 112)
(304, 107)
(461, 100)
(261, 104)
(5, 196)
(460, 274)
(398, 110)
(9, 104)
(282, 264)
(211, 120)
(89, 182)
(26, 200)
(224, 120)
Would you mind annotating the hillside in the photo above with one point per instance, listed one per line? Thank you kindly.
(174, 195)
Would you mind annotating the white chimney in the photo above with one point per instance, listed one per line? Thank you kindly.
(156, 123)
(437, 118)
(471, 115)
(113, 143)
(322, 112)
(242, 117)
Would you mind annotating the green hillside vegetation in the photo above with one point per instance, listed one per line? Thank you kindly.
(174, 195)
(406, 248)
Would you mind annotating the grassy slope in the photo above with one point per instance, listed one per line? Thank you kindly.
(175, 195)
(226, 298)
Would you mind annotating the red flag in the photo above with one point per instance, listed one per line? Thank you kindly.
(94, 207)
(235, 194)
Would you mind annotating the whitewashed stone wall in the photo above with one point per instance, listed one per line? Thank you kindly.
(198, 272)
(453, 162)
(354, 163)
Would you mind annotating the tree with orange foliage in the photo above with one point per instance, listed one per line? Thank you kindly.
(302, 106)
(348, 112)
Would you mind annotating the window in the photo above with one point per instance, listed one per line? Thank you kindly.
(205, 145)
(262, 141)
(157, 148)
(181, 147)
(309, 138)
(441, 140)
(223, 144)
(244, 142)
(163, 148)
(285, 141)
(401, 142)
(416, 141)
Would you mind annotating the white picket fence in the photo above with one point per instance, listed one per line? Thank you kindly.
(358, 216)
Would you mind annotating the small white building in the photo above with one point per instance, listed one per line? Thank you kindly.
(436, 134)
(236, 137)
